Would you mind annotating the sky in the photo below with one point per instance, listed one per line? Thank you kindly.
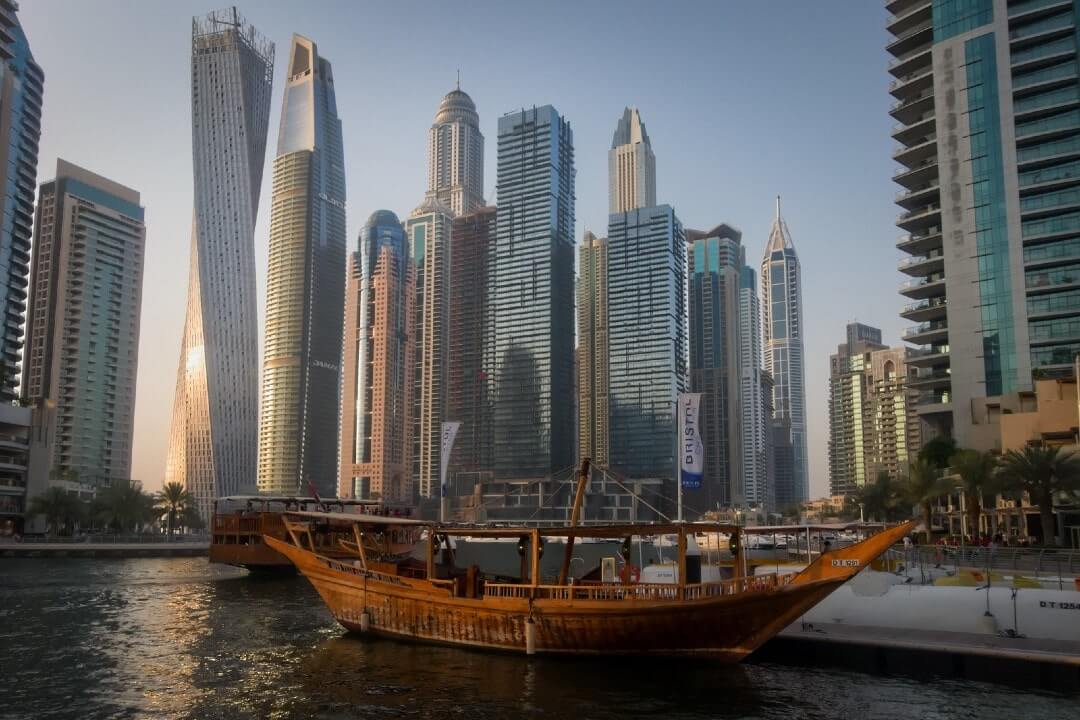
(742, 101)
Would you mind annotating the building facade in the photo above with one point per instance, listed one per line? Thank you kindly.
(532, 291)
(631, 166)
(22, 84)
(456, 155)
(82, 326)
(782, 326)
(428, 229)
(379, 361)
(872, 423)
(986, 101)
(469, 354)
(715, 294)
(647, 328)
(756, 410)
(298, 422)
(592, 356)
(214, 434)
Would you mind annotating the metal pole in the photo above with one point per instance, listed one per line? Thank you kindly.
(678, 466)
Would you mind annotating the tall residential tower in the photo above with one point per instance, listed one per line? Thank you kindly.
(631, 166)
(213, 441)
(781, 298)
(592, 357)
(298, 422)
(532, 296)
(456, 155)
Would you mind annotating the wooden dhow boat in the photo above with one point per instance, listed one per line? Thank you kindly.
(385, 592)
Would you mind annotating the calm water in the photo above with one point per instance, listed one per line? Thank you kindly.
(175, 638)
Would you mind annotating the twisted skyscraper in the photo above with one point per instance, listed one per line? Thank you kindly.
(305, 292)
(212, 448)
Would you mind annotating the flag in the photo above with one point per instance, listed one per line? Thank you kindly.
(692, 456)
(449, 434)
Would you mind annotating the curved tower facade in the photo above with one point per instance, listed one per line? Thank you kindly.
(298, 424)
(212, 443)
(456, 155)
(781, 298)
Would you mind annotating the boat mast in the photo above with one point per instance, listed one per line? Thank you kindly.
(579, 495)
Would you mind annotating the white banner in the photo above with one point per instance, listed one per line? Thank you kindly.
(449, 434)
(690, 447)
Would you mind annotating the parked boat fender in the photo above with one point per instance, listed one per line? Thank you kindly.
(365, 621)
(530, 637)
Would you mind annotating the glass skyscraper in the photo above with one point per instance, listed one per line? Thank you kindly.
(781, 297)
(987, 105)
(21, 86)
(82, 348)
(647, 338)
(213, 440)
(298, 422)
(532, 296)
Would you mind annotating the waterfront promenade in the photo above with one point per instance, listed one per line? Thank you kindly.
(106, 548)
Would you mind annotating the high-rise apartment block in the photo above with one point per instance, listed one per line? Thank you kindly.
(379, 361)
(298, 422)
(469, 354)
(872, 423)
(592, 357)
(782, 324)
(715, 308)
(753, 381)
(82, 328)
(21, 86)
(428, 229)
(531, 296)
(631, 166)
(987, 105)
(214, 435)
(647, 327)
(456, 155)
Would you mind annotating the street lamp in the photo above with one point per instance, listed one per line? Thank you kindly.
(861, 513)
(963, 518)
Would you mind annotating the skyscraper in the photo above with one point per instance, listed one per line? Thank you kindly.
(81, 358)
(532, 295)
(21, 86)
(298, 422)
(756, 410)
(986, 98)
(469, 395)
(715, 306)
(647, 338)
(456, 155)
(781, 297)
(428, 229)
(872, 423)
(592, 357)
(213, 441)
(379, 360)
(631, 166)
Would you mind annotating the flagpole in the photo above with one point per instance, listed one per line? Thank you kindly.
(678, 464)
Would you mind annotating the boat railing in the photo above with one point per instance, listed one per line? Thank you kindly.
(637, 591)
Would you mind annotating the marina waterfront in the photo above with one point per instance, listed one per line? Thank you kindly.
(177, 638)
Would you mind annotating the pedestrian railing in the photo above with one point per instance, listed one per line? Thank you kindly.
(1057, 563)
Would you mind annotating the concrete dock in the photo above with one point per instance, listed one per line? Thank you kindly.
(104, 550)
(1029, 662)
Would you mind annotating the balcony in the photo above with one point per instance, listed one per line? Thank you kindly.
(931, 380)
(907, 17)
(923, 174)
(921, 242)
(920, 265)
(917, 155)
(925, 333)
(920, 196)
(1050, 27)
(912, 38)
(1036, 8)
(911, 109)
(915, 82)
(928, 357)
(933, 402)
(911, 62)
(923, 287)
(1044, 54)
(1042, 281)
(921, 217)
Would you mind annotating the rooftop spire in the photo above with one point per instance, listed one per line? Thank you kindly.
(779, 235)
(459, 79)
(778, 208)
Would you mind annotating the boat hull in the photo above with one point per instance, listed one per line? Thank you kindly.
(727, 627)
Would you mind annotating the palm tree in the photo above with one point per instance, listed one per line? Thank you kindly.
(190, 518)
(124, 506)
(173, 498)
(880, 499)
(57, 506)
(1042, 472)
(924, 486)
(938, 451)
(976, 472)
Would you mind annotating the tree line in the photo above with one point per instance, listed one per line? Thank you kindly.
(1042, 472)
(121, 507)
